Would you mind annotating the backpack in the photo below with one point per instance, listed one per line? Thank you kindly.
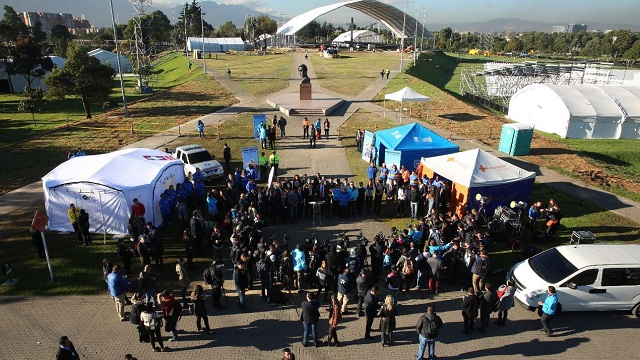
(134, 315)
(432, 329)
(208, 278)
(408, 267)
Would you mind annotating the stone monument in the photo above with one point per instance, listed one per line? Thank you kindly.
(305, 84)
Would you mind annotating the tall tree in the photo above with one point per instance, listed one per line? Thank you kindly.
(228, 29)
(265, 26)
(60, 37)
(11, 27)
(83, 76)
(29, 60)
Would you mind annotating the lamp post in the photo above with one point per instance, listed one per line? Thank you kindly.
(204, 60)
(115, 37)
(404, 22)
(415, 36)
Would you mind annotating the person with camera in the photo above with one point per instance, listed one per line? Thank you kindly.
(214, 277)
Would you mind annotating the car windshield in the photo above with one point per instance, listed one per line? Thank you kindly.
(552, 266)
(200, 156)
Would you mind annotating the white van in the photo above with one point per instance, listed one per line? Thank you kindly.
(586, 277)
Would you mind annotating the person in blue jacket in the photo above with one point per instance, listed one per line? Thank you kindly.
(372, 170)
(212, 204)
(117, 284)
(441, 248)
(548, 310)
(353, 197)
(342, 197)
(200, 127)
(165, 209)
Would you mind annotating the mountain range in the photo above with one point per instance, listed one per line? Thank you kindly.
(99, 15)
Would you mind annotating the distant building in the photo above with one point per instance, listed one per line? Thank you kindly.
(576, 28)
(49, 20)
(558, 29)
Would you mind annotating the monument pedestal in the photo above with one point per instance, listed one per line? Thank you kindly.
(305, 91)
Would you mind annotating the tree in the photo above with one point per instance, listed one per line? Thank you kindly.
(33, 102)
(633, 53)
(37, 33)
(11, 27)
(83, 76)
(60, 37)
(228, 29)
(266, 25)
(29, 60)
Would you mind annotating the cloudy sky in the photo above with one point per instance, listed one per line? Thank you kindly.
(549, 11)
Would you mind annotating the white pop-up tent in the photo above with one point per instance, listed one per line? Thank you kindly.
(405, 94)
(474, 172)
(105, 186)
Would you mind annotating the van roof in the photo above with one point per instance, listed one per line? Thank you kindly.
(586, 255)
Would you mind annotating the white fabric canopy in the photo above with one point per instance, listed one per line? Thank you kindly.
(476, 168)
(405, 94)
(105, 186)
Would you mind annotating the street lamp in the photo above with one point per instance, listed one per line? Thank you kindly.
(404, 22)
(204, 60)
(115, 37)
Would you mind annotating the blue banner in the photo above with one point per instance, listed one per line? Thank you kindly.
(392, 157)
(367, 145)
(257, 119)
(250, 160)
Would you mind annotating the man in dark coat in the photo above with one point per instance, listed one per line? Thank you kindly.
(363, 284)
(66, 351)
(309, 316)
(226, 153)
(488, 301)
(371, 307)
(241, 279)
(469, 311)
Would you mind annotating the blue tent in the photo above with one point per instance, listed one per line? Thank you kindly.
(414, 142)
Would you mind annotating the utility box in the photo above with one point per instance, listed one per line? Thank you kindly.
(582, 237)
(515, 139)
(197, 54)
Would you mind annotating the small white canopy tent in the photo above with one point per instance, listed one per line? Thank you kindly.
(105, 186)
(405, 94)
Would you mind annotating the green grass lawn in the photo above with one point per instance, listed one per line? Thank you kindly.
(257, 74)
(352, 72)
(169, 71)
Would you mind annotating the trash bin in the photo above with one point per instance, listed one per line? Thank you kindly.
(515, 139)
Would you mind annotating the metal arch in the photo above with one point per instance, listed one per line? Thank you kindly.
(388, 15)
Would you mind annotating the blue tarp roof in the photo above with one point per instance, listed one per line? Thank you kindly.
(413, 137)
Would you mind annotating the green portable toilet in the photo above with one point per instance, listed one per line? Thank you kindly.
(515, 139)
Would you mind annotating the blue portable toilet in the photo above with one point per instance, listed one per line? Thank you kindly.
(515, 139)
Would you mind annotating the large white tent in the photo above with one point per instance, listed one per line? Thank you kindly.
(215, 44)
(579, 111)
(111, 59)
(105, 186)
(405, 94)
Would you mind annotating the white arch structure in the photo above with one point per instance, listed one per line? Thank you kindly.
(388, 15)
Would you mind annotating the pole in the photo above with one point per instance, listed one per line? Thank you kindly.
(124, 97)
(204, 60)
(404, 22)
(46, 253)
(424, 21)
(415, 36)
(186, 38)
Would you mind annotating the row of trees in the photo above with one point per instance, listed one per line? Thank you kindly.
(616, 44)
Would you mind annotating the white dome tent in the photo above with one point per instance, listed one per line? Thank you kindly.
(105, 185)
(579, 111)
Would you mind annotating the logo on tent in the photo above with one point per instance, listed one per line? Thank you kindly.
(427, 139)
(159, 157)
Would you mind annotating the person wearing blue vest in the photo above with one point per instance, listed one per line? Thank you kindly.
(548, 310)
(372, 170)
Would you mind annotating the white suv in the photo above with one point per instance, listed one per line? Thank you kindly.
(195, 156)
(586, 277)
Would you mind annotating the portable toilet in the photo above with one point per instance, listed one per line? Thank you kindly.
(515, 139)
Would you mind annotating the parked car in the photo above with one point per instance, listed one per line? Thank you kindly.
(586, 278)
(195, 156)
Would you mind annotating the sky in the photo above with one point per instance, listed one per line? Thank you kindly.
(460, 11)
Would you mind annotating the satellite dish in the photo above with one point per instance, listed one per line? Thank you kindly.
(478, 197)
(513, 204)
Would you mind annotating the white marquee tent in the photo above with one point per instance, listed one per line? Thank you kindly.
(579, 111)
(215, 44)
(111, 59)
(405, 94)
(105, 186)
